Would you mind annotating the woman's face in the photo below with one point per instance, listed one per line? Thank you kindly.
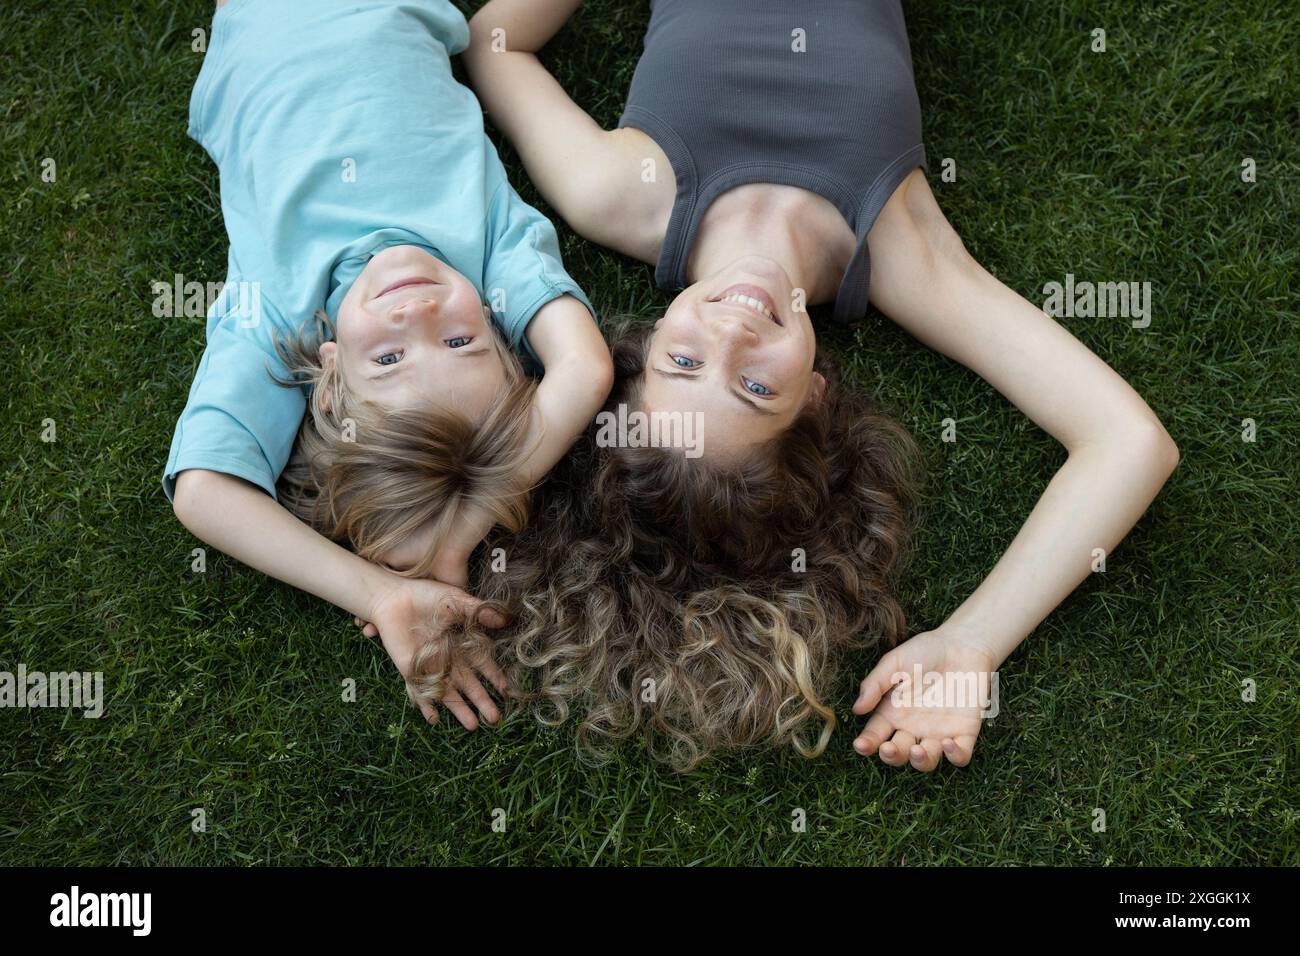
(734, 349)
(411, 331)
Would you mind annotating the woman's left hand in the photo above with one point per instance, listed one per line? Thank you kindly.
(939, 717)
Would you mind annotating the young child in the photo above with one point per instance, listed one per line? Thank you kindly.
(358, 186)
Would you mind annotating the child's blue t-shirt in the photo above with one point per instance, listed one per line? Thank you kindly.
(340, 131)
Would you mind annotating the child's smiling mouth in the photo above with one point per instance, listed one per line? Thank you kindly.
(414, 280)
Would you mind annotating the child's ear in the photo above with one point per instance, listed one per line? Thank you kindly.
(328, 356)
(487, 313)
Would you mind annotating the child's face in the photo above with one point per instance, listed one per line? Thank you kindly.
(733, 348)
(412, 331)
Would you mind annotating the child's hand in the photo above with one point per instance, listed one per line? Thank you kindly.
(451, 563)
(414, 612)
(906, 726)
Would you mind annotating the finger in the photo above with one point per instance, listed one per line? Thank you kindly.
(960, 749)
(430, 715)
(468, 685)
(875, 733)
(925, 756)
(874, 686)
(492, 672)
(358, 622)
(459, 604)
(460, 710)
(896, 749)
(370, 631)
(491, 618)
(469, 606)
(456, 605)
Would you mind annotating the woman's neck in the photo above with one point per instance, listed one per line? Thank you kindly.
(798, 229)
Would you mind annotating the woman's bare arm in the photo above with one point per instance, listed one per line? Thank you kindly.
(591, 176)
(1119, 453)
(1119, 457)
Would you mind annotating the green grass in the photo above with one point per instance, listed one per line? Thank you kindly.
(224, 688)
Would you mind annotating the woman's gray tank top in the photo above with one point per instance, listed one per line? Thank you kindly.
(817, 94)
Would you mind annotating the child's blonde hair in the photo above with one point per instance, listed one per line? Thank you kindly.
(370, 476)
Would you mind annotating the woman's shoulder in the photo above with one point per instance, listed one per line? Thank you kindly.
(637, 195)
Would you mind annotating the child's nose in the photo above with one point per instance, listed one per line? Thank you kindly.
(413, 310)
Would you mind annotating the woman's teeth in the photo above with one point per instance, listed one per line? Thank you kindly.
(748, 302)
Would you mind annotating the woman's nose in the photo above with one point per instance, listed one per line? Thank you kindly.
(734, 330)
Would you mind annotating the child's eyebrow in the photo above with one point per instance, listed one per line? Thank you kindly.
(460, 353)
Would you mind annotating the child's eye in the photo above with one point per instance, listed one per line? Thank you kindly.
(389, 358)
(459, 342)
(683, 361)
(755, 387)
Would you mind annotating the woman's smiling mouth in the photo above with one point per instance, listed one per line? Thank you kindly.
(752, 297)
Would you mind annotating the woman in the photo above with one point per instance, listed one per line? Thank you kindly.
(769, 158)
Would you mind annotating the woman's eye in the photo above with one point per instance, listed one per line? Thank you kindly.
(755, 387)
(683, 361)
(389, 358)
(459, 342)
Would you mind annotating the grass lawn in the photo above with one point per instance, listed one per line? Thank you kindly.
(223, 688)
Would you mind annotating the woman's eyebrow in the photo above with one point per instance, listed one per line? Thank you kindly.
(751, 402)
(739, 396)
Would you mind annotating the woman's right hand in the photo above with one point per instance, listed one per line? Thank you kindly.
(409, 614)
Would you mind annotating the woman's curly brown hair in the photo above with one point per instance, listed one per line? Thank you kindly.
(706, 606)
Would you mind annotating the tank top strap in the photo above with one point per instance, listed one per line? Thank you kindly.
(852, 299)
